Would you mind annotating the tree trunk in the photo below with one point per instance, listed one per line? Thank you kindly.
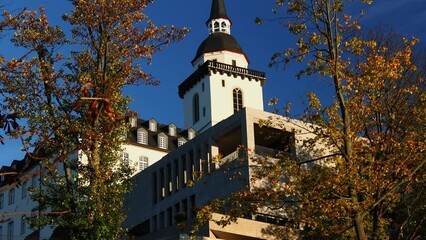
(359, 226)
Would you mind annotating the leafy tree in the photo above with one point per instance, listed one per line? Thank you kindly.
(371, 157)
(75, 105)
(7, 121)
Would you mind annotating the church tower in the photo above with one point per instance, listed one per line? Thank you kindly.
(221, 83)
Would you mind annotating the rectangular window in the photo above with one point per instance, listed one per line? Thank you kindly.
(10, 230)
(34, 181)
(191, 166)
(185, 208)
(181, 142)
(154, 223)
(162, 184)
(193, 211)
(223, 83)
(198, 161)
(124, 157)
(169, 216)
(177, 211)
(162, 142)
(176, 168)
(205, 161)
(204, 111)
(196, 108)
(169, 179)
(161, 225)
(154, 188)
(234, 63)
(142, 136)
(184, 171)
(143, 163)
(11, 196)
(24, 190)
(202, 87)
(23, 225)
(152, 125)
(1, 201)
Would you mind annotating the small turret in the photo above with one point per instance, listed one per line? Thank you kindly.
(219, 39)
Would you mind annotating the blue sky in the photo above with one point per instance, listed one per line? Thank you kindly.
(173, 65)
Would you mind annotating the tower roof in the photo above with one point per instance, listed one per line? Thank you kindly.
(218, 10)
(219, 41)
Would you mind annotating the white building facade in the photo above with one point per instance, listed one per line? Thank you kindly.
(223, 104)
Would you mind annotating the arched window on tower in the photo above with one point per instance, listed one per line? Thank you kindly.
(223, 25)
(196, 108)
(238, 99)
(216, 27)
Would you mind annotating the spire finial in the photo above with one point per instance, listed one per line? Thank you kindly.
(218, 10)
(218, 21)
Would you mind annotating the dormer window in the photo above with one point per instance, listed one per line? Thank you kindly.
(142, 136)
(191, 134)
(181, 141)
(152, 125)
(133, 119)
(162, 141)
(172, 130)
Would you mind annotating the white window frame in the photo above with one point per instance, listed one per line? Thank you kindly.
(162, 141)
(172, 130)
(142, 136)
(24, 191)
(152, 125)
(143, 163)
(124, 157)
(237, 99)
(11, 199)
(10, 230)
(181, 141)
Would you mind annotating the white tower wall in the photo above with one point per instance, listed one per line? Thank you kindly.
(223, 57)
(216, 101)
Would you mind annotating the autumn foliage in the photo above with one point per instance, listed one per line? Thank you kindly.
(68, 87)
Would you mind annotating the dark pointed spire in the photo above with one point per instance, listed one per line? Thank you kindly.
(218, 10)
